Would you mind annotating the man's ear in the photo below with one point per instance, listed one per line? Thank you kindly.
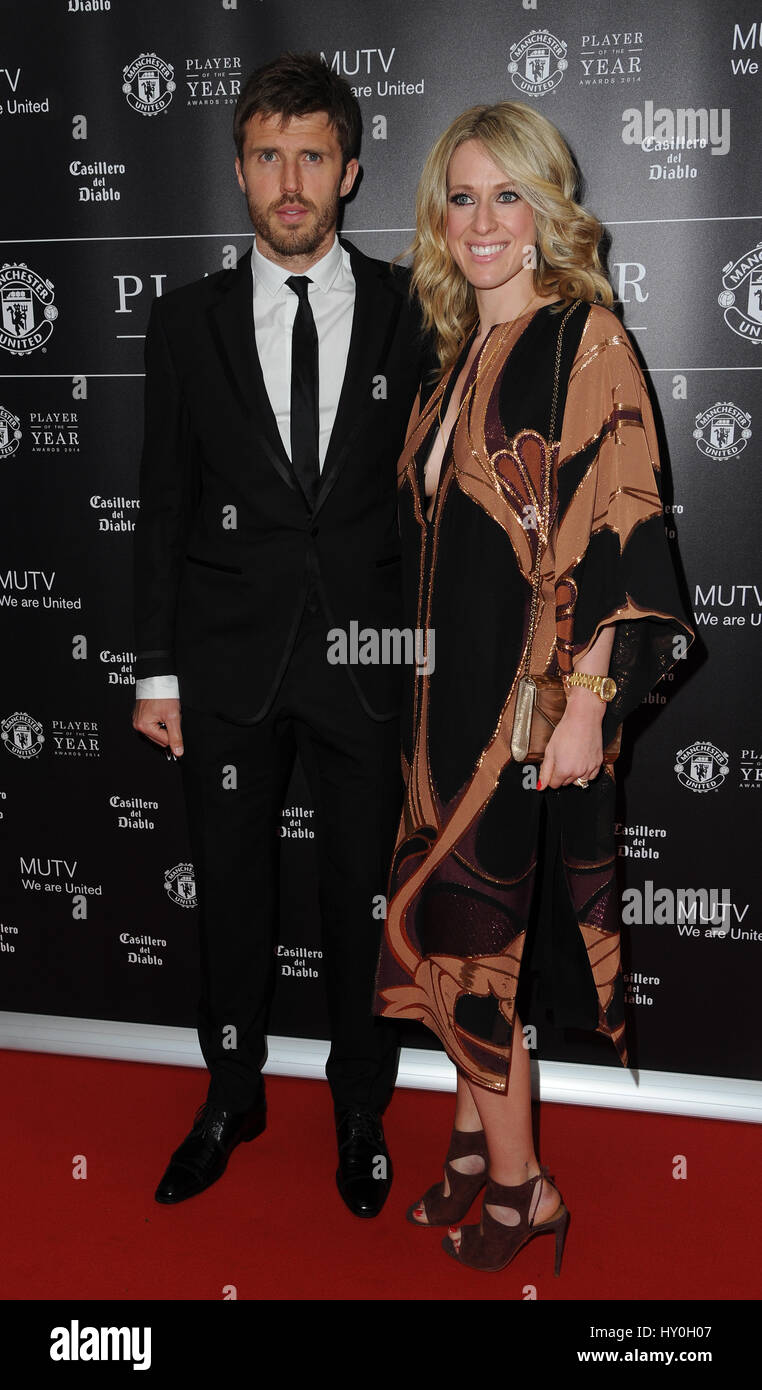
(349, 176)
(239, 175)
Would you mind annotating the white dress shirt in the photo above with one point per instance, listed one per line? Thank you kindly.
(332, 301)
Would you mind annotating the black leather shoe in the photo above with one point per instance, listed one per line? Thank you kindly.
(203, 1155)
(364, 1174)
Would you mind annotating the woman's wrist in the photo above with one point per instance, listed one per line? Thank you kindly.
(585, 704)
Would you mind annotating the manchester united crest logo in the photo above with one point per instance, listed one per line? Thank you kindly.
(10, 433)
(27, 309)
(538, 62)
(702, 767)
(149, 84)
(22, 735)
(180, 883)
(722, 431)
(741, 296)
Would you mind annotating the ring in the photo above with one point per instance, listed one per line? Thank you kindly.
(581, 782)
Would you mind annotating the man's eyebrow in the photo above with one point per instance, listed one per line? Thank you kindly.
(305, 149)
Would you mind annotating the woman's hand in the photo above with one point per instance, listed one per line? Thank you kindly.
(575, 748)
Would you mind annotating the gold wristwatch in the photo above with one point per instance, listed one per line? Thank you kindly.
(603, 686)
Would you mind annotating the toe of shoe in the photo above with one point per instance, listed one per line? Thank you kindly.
(179, 1183)
(363, 1196)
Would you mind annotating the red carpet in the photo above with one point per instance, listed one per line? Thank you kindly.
(275, 1227)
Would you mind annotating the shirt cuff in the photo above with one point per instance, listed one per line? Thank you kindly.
(157, 688)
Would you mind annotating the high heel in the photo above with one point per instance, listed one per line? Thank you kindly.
(492, 1245)
(464, 1187)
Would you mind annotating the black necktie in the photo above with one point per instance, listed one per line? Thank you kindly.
(304, 391)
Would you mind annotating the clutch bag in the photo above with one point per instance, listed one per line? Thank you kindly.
(540, 703)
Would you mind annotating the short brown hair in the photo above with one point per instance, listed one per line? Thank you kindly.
(296, 84)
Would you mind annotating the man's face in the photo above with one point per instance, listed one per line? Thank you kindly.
(292, 176)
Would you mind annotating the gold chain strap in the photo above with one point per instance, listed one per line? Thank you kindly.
(543, 523)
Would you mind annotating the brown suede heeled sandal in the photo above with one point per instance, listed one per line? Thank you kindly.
(492, 1245)
(464, 1187)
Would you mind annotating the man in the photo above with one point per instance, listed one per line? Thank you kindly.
(277, 397)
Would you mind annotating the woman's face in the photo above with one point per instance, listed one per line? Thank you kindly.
(490, 229)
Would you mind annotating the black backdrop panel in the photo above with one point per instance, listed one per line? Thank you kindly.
(116, 169)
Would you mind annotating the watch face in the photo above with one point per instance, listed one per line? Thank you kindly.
(608, 689)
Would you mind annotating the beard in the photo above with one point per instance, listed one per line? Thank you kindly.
(294, 241)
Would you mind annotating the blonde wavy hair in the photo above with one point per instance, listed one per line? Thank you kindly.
(537, 159)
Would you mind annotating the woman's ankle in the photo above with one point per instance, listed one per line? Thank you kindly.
(513, 1175)
(465, 1126)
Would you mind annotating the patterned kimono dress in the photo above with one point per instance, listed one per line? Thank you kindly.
(465, 869)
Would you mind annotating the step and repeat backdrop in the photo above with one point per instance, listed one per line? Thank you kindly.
(117, 184)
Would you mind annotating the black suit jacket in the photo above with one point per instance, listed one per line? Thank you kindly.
(226, 543)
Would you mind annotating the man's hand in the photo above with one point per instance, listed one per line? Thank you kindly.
(159, 720)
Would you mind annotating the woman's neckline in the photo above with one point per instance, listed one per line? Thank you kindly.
(545, 304)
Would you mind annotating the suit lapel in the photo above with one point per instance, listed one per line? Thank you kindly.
(232, 326)
(376, 311)
(377, 307)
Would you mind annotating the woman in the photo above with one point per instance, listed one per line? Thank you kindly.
(533, 541)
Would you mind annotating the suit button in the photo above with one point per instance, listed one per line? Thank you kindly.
(314, 530)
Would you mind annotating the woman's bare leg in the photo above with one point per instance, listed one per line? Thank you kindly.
(466, 1118)
(507, 1122)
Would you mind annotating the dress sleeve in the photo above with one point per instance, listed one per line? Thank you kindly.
(612, 558)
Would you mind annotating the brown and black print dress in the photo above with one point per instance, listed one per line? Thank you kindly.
(466, 862)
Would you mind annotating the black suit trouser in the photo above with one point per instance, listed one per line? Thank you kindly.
(352, 764)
